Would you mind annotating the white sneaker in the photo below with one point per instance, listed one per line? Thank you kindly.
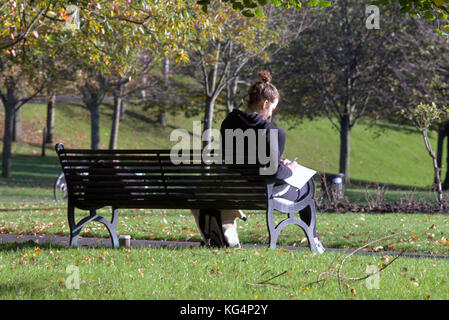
(318, 244)
(231, 235)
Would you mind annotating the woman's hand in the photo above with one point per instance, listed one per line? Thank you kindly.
(292, 165)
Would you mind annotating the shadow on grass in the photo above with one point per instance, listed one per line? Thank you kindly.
(33, 171)
(382, 126)
(32, 209)
(30, 244)
(358, 183)
(15, 288)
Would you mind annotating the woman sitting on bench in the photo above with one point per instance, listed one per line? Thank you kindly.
(263, 98)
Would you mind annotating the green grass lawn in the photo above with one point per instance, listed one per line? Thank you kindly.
(396, 158)
(421, 233)
(31, 272)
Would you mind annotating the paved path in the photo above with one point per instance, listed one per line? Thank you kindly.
(103, 242)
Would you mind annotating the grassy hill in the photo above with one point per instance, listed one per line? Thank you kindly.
(387, 153)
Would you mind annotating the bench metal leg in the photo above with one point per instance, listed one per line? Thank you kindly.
(307, 223)
(273, 233)
(75, 228)
(112, 227)
(72, 225)
(308, 216)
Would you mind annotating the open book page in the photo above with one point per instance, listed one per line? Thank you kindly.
(300, 176)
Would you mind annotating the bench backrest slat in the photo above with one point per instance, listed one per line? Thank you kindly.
(130, 178)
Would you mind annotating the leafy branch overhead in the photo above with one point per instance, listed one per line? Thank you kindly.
(428, 9)
(250, 8)
(423, 115)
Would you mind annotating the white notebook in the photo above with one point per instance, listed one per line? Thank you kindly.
(300, 175)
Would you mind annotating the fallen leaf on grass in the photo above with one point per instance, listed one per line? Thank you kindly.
(214, 272)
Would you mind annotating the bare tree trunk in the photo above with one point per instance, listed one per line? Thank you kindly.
(345, 146)
(446, 180)
(436, 169)
(122, 109)
(143, 92)
(115, 119)
(51, 102)
(208, 118)
(17, 126)
(162, 118)
(7, 140)
(231, 92)
(441, 134)
(95, 125)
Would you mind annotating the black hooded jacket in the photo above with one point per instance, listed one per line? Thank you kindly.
(244, 120)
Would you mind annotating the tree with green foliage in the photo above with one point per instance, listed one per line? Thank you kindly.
(422, 116)
(338, 69)
(20, 80)
(427, 9)
(420, 74)
(229, 42)
(103, 34)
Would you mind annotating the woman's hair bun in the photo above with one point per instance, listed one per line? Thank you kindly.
(265, 76)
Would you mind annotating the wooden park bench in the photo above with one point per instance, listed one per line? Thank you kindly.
(137, 179)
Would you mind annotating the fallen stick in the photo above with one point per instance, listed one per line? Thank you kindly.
(358, 249)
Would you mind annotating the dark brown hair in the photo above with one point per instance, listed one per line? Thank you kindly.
(262, 90)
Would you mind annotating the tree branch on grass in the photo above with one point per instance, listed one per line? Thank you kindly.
(340, 277)
(268, 283)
